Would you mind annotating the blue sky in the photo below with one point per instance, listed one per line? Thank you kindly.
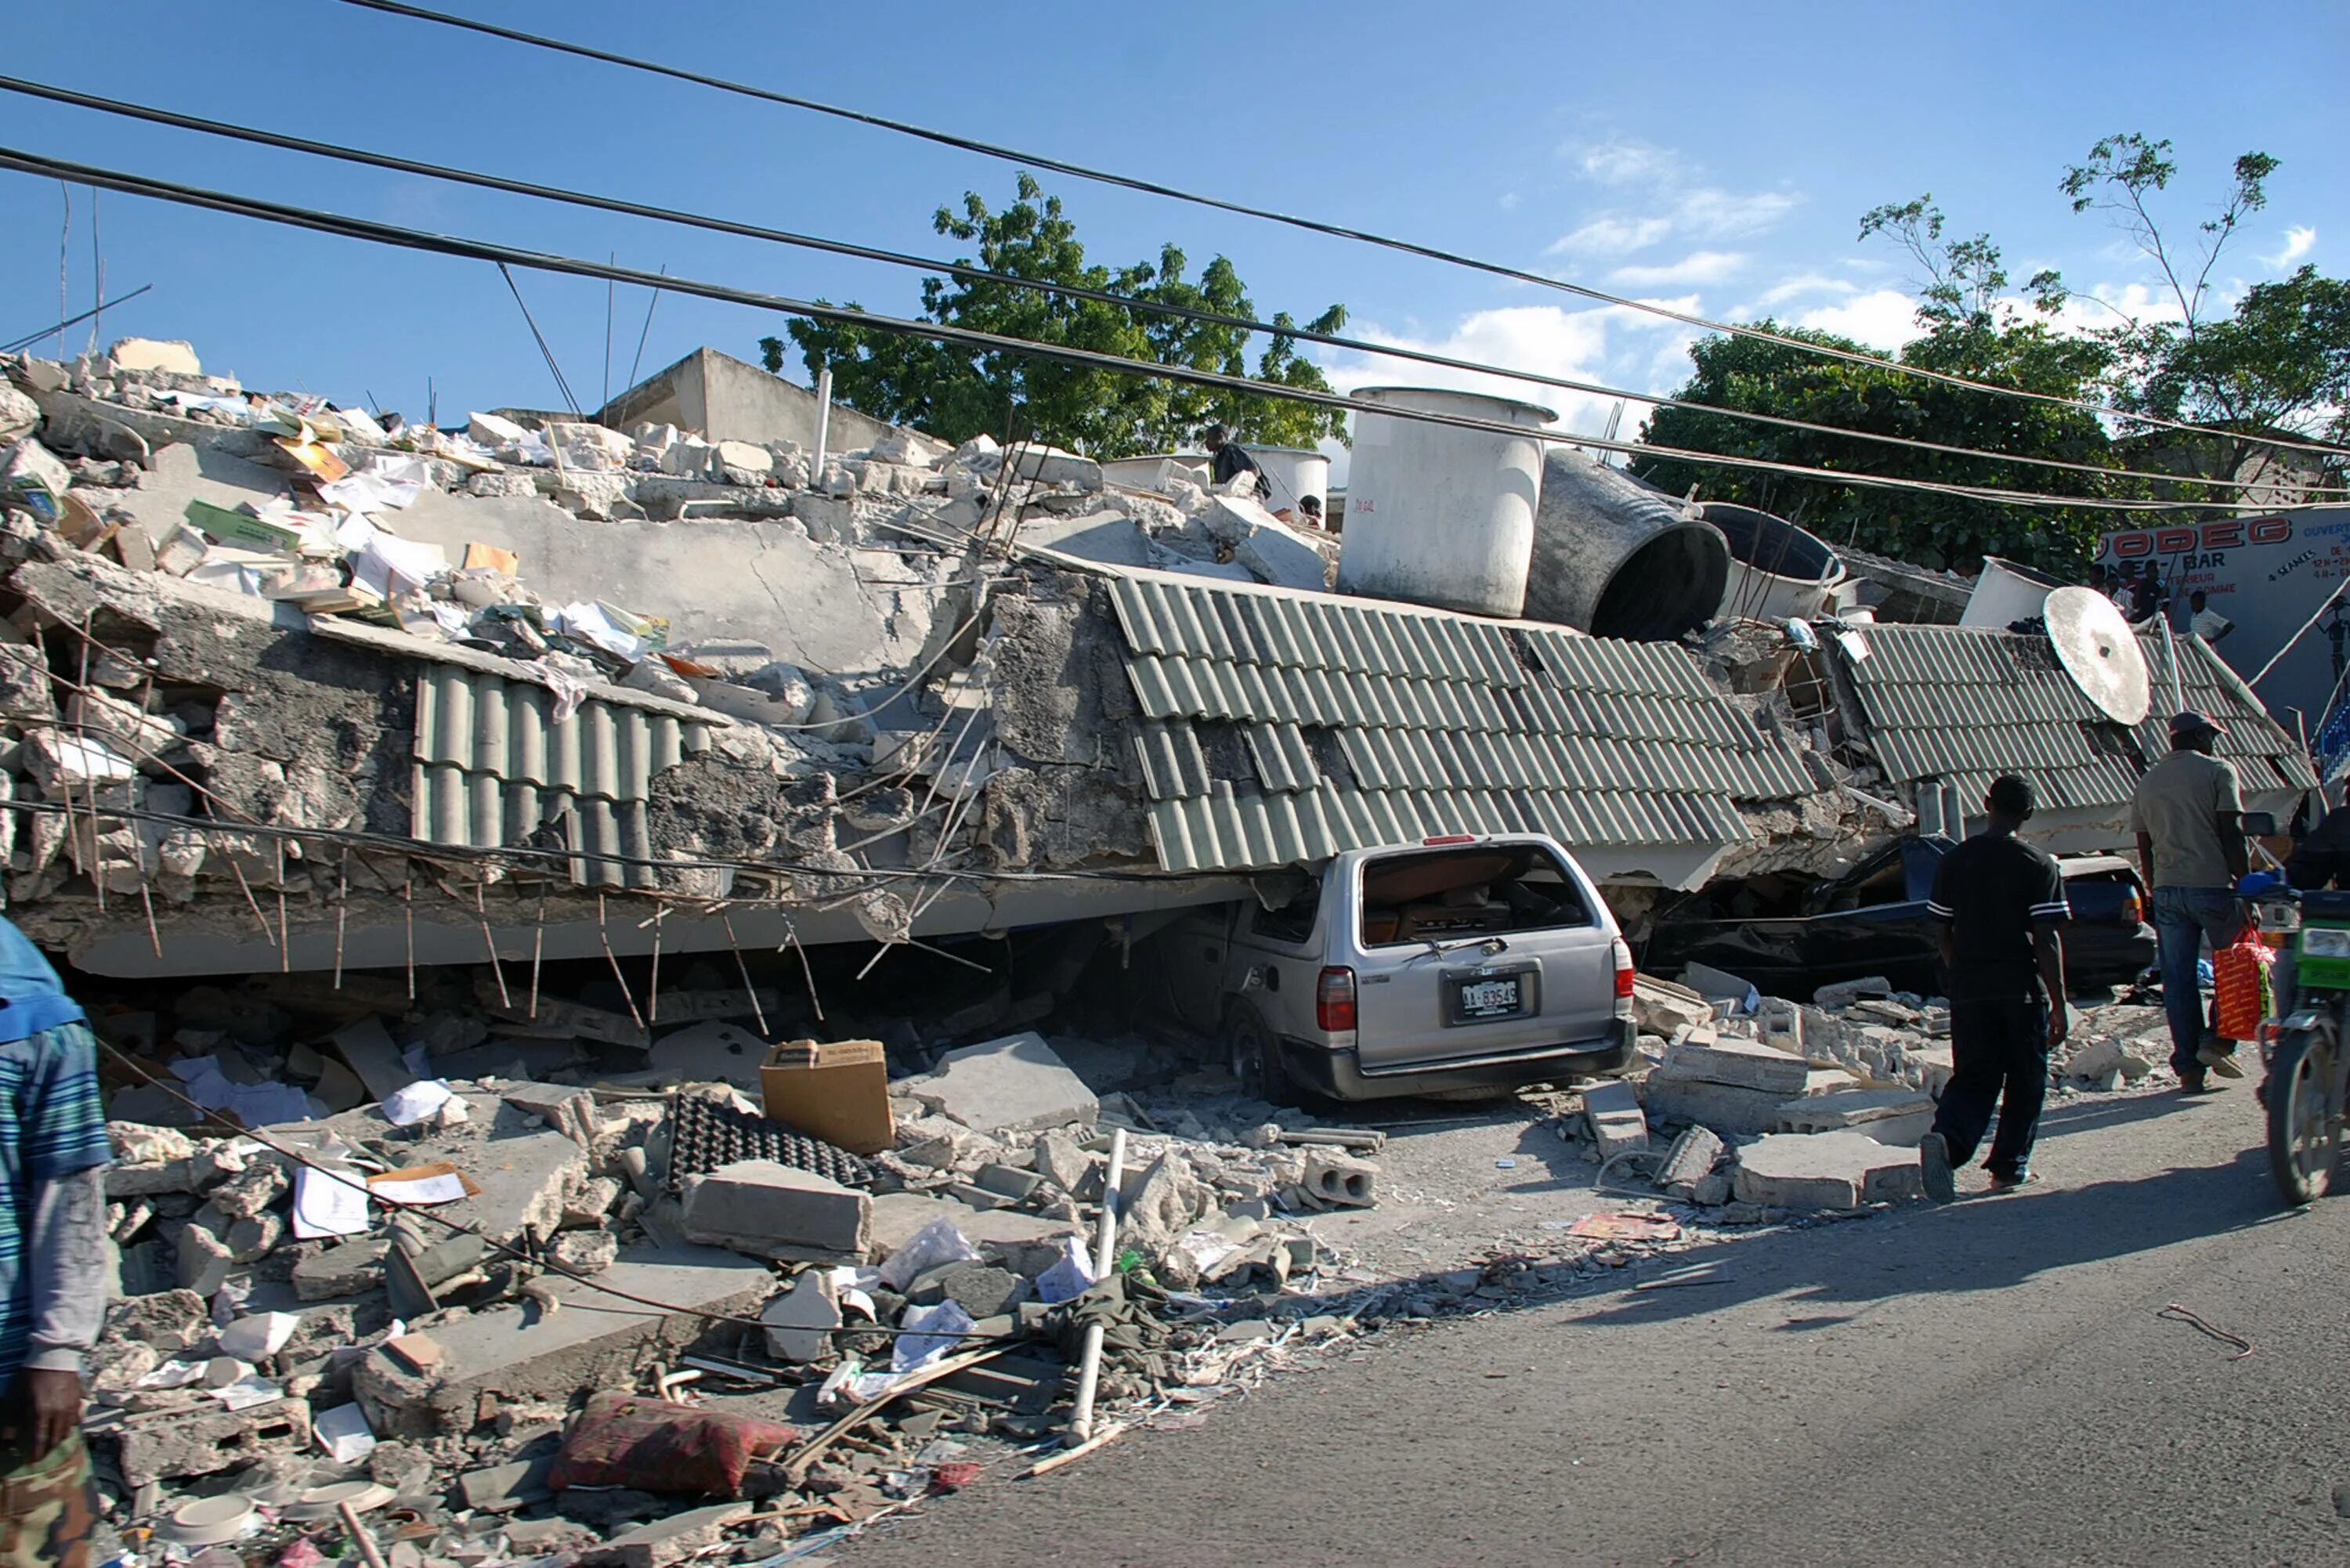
(1717, 156)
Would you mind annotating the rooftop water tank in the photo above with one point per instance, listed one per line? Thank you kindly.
(1778, 572)
(1616, 556)
(2006, 593)
(1293, 473)
(1441, 515)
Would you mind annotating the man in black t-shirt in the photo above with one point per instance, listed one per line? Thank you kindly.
(1999, 902)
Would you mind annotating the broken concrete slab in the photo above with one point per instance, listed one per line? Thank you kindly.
(1016, 1084)
(199, 1440)
(1689, 1161)
(1612, 1111)
(501, 1488)
(800, 1320)
(667, 1540)
(591, 1339)
(1727, 1107)
(772, 1210)
(1744, 1064)
(1895, 1118)
(1824, 1170)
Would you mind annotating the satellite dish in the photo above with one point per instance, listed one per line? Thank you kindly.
(2100, 653)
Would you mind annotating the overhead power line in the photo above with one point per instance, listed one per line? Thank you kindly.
(1312, 225)
(321, 221)
(957, 269)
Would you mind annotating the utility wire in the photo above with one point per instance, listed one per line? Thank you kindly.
(570, 398)
(21, 344)
(1069, 290)
(321, 221)
(1313, 225)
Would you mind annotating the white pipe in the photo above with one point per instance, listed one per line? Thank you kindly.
(1081, 1420)
(2170, 652)
(823, 422)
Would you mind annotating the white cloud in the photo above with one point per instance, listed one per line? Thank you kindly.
(1509, 200)
(1612, 236)
(1545, 339)
(1621, 160)
(1716, 214)
(1697, 267)
(1798, 286)
(2299, 241)
(1881, 318)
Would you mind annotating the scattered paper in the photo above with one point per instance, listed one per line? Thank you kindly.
(417, 1102)
(423, 1185)
(325, 1206)
(1069, 1277)
(261, 1335)
(592, 623)
(945, 1325)
(390, 565)
(390, 484)
(254, 1105)
(489, 557)
(344, 1433)
(174, 1375)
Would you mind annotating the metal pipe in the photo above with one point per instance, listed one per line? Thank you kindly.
(1081, 1420)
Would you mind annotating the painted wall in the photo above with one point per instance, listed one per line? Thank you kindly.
(2269, 574)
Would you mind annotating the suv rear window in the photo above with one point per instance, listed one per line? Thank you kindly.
(1488, 890)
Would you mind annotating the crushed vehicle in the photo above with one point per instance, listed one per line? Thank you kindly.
(1459, 963)
(1873, 921)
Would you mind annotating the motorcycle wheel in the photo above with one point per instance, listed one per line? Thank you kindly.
(2304, 1124)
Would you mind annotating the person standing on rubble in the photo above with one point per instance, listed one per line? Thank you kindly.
(2187, 815)
(53, 1155)
(1231, 460)
(1999, 902)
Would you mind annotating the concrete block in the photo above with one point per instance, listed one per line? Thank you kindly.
(169, 1320)
(760, 1207)
(798, 1320)
(1612, 1110)
(1823, 1170)
(1744, 1064)
(1729, 1108)
(1845, 993)
(1779, 1023)
(592, 1340)
(1933, 1066)
(163, 1445)
(1009, 1181)
(1341, 1179)
(1014, 1085)
(1664, 1007)
(584, 1251)
(1895, 1118)
(501, 1488)
(982, 1290)
(156, 354)
(1689, 1161)
(665, 1540)
(346, 1269)
(205, 1261)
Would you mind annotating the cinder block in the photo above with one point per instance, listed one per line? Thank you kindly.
(760, 1207)
(165, 1444)
(1341, 1179)
(1744, 1063)
(1612, 1113)
(1689, 1161)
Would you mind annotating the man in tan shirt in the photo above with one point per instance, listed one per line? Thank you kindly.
(2188, 816)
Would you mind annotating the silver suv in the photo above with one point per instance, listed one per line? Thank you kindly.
(1459, 962)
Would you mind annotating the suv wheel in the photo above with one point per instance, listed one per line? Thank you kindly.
(1255, 1060)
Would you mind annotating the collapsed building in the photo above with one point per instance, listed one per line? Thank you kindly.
(545, 769)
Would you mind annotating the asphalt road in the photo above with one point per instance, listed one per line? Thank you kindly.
(1986, 1382)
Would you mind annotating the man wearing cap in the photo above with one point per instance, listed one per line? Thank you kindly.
(2187, 815)
(1999, 902)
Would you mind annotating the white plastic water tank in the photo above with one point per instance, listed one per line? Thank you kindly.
(1293, 473)
(1441, 515)
(2005, 593)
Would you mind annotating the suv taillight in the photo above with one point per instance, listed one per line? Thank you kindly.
(1625, 975)
(1334, 1001)
(2133, 908)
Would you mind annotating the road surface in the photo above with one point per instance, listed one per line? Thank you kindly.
(1985, 1383)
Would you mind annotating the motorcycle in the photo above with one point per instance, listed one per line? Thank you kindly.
(2307, 1050)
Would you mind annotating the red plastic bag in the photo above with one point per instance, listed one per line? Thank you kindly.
(2240, 992)
(624, 1439)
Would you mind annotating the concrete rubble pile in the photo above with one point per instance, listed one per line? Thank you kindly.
(299, 1325)
(1787, 1106)
(865, 660)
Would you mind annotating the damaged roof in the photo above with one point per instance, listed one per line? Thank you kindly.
(1350, 722)
(1965, 704)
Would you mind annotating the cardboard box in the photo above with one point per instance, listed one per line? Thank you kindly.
(838, 1092)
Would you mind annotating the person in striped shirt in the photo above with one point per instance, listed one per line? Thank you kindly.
(1999, 902)
(53, 1156)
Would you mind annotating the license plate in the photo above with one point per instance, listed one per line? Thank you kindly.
(1481, 999)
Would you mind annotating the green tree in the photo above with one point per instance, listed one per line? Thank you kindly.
(954, 392)
(1971, 331)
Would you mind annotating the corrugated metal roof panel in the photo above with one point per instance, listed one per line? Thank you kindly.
(491, 768)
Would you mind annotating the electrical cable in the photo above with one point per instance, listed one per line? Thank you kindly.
(1312, 225)
(459, 1227)
(538, 190)
(321, 221)
(19, 345)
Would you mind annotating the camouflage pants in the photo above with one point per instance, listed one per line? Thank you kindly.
(49, 1507)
